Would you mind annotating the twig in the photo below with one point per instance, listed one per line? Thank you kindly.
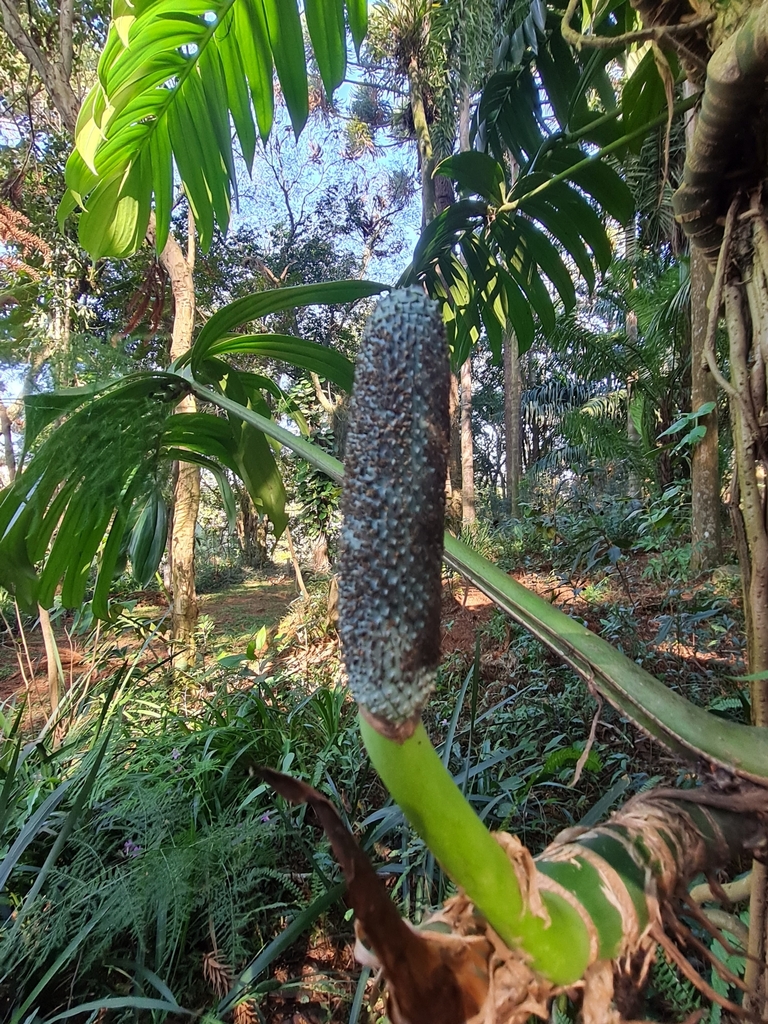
(655, 33)
(702, 917)
(587, 749)
(735, 891)
(685, 935)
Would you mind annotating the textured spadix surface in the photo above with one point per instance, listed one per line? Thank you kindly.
(393, 505)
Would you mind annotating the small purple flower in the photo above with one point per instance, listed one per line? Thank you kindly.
(175, 753)
(131, 849)
(265, 817)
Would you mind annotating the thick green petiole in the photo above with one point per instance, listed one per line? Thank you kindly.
(465, 849)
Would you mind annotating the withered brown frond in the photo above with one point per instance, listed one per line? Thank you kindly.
(14, 230)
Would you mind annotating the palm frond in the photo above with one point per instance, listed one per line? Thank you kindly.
(170, 77)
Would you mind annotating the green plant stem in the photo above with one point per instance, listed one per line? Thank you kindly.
(612, 147)
(436, 808)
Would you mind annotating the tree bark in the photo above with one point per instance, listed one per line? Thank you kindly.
(5, 430)
(454, 454)
(468, 514)
(725, 170)
(706, 533)
(54, 70)
(186, 495)
(251, 531)
(423, 141)
(513, 392)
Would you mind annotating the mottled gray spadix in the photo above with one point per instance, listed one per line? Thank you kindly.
(393, 505)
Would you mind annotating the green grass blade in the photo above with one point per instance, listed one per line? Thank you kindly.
(357, 1002)
(69, 823)
(120, 1003)
(270, 952)
(66, 954)
(32, 828)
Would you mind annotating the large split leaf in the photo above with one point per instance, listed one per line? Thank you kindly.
(82, 485)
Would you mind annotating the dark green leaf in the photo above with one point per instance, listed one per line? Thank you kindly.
(325, 21)
(287, 42)
(475, 173)
(598, 179)
(357, 13)
(148, 539)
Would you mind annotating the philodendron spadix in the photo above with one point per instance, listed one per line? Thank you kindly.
(521, 929)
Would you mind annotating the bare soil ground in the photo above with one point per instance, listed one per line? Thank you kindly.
(231, 618)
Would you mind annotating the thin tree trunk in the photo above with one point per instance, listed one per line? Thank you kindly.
(251, 532)
(467, 448)
(423, 141)
(744, 269)
(5, 429)
(54, 69)
(513, 392)
(186, 495)
(454, 454)
(468, 513)
(706, 533)
(634, 485)
(295, 563)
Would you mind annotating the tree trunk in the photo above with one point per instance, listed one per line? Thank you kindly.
(54, 69)
(467, 447)
(251, 532)
(186, 494)
(468, 514)
(454, 455)
(513, 392)
(423, 141)
(5, 430)
(634, 484)
(706, 534)
(726, 170)
(296, 566)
